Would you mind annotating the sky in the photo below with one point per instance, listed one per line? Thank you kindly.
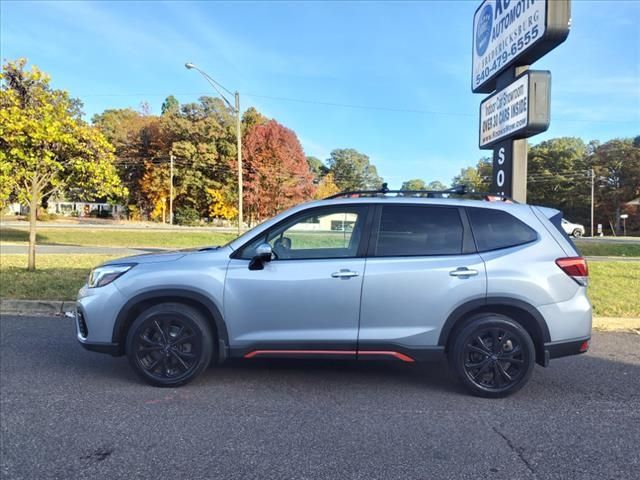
(390, 79)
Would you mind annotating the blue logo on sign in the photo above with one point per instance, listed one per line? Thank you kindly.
(483, 29)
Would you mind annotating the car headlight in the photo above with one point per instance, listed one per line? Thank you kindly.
(104, 275)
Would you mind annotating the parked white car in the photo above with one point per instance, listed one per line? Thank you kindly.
(573, 229)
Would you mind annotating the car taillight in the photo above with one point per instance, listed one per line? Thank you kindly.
(576, 268)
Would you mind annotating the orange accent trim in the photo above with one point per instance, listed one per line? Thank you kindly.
(398, 355)
(255, 353)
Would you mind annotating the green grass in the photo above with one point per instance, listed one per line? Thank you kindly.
(594, 248)
(103, 237)
(58, 277)
(613, 286)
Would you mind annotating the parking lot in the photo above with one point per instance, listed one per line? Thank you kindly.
(68, 413)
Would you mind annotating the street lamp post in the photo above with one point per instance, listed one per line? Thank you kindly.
(216, 86)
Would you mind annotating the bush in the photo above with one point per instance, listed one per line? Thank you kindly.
(46, 216)
(95, 213)
(186, 216)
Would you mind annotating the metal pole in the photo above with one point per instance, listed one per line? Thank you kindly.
(239, 139)
(592, 202)
(171, 189)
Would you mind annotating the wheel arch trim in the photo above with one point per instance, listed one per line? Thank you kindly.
(172, 295)
(463, 310)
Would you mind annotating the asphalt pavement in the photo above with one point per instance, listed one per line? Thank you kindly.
(67, 413)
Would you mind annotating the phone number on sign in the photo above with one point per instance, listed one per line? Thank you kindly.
(504, 52)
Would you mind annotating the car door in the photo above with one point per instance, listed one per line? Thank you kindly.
(421, 266)
(306, 300)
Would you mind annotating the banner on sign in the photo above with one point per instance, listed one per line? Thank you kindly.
(514, 32)
(519, 110)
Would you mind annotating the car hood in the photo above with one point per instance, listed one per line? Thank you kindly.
(171, 256)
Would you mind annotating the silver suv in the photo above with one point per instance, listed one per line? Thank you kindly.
(495, 287)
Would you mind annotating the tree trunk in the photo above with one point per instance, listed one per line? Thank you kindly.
(33, 212)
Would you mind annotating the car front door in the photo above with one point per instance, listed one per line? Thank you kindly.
(421, 266)
(306, 300)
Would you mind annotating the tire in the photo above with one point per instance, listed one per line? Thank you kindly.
(577, 233)
(487, 369)
(169, 345)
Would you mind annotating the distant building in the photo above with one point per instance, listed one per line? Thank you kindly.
(73, 209)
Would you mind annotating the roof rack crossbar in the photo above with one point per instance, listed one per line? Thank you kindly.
(384, 190)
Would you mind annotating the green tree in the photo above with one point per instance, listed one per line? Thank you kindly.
(353, 171)
(477, 179)
(47, 145)
(170, 106)
(414, 184)
(317, 168)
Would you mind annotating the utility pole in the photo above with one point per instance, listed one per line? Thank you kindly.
(239, 139)
(593, 181)
(171, 188)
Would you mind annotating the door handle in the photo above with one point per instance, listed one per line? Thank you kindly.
(344, 273)
(463, 272)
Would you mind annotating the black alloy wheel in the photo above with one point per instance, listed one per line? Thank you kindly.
(169, 345)
(493, 356)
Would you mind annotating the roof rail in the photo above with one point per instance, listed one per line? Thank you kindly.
(455, 190)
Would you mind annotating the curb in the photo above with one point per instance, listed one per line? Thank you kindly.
(36, 307)
(61, 307)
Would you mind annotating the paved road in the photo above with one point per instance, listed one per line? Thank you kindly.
(67, 413)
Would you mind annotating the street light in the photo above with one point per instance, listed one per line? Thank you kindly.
(216, 86)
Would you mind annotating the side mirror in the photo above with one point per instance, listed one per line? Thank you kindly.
(263, 255)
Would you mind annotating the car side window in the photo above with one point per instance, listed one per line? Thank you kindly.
(495, 229)
(416, 230)
(321, 233)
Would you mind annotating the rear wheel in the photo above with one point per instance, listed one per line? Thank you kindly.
(169, 345)
(493, 356)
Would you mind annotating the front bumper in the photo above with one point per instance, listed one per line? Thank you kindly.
(96, 311)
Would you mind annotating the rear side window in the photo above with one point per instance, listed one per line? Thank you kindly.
(409, 230)
(494, 229)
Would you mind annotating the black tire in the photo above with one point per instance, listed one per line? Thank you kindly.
(169, 345)
(577, 233)
(493, 356)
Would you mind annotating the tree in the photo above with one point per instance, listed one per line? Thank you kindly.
(326, 187)
(277, 175)
(436, 185)
(317, 168)
(170, 106)
(155, 186)
(477, 179)
(413, 184)
(47, 145)
(353, 171)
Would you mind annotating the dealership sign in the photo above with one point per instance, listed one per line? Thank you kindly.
(519, 110)
(514, 32)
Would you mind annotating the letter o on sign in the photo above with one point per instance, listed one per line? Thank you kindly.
(500, 178)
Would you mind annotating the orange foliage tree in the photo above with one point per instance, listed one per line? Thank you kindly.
(276, 175)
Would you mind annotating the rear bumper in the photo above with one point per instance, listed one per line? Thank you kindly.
(565, 348)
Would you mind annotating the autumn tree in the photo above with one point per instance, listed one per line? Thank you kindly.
(352, 170)
(47, 146)
(476, 179)
(277, 175)
(326, 187)
(414, 184)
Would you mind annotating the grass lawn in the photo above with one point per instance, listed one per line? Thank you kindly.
(595, 248)
(613, 286)
(58, 277)
(103, 237)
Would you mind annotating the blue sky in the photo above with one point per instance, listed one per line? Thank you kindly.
(411, 62)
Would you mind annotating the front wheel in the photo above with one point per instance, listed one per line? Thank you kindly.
(493, 356)
(169, 345)
(577, 233)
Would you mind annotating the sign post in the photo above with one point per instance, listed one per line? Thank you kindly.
(509, 35)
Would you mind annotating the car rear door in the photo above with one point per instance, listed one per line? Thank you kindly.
(421, 265)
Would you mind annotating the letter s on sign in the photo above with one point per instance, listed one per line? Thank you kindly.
(501, 156)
